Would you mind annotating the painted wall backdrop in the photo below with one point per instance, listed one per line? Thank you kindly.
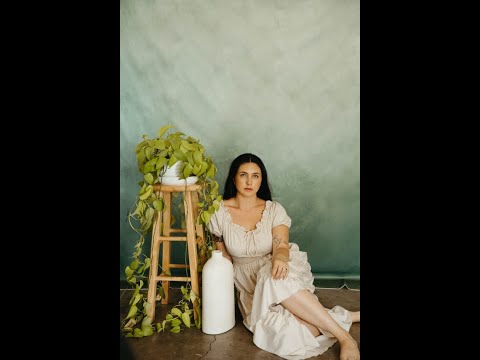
(277, 78)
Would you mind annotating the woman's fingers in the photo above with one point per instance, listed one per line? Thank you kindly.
(276, 271)
(279, 271)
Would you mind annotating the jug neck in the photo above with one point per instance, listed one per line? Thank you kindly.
(217, 254)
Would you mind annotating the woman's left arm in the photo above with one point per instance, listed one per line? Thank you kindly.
(281, 252)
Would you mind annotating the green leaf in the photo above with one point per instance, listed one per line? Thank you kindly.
(147, 321)
(192, 296)
(183, 149)
(211, 171)
(188, 146)
(134, 264)
(176, 312)
(147, 263)
(133, 310)
(204, 168)
(175, 143)
(190, 158)
(148, 178)
(197, 157)
(161, 292)
(176, 322)
(146, 306)
(196, 169)
(175, 329)
(140, 146)
(206, 217)
(172, 161)
(169, 317)
(139, 209)
(147, 193)
(149, 166)
(186, 319)
(137, 333)
(187, 171)
(161, 163)
(183, 290)
(147, 326)
(163, 153)
(179, 155)
(147, 330)
(137, 298)
(140, 159)
(163, 129)
(128, 272)
(149, 214)
(159, 144)
(158, 204)
(148, 152)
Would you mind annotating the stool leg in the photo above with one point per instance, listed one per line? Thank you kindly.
(154, 252)
(192, 245)
(167, 220)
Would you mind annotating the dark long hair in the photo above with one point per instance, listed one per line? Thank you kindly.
(230, 188)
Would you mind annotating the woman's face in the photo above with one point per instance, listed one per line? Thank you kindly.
(248, 179)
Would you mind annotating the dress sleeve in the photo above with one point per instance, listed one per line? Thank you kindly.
(280, 216)
(216, 223)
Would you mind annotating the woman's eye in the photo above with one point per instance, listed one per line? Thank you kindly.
(242, 175)
(256, 176)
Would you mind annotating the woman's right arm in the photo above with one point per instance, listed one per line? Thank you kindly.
(221, 246)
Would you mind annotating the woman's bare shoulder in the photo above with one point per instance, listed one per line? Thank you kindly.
(261, 203)
(229, 203)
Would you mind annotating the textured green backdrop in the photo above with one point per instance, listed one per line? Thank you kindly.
(280, 79)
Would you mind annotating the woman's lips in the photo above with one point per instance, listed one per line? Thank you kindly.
(248, 189)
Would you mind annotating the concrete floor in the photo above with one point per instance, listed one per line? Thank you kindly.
(234, 344)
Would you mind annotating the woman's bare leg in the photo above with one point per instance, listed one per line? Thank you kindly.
(305, 305)
(355, 316)
(312, 328)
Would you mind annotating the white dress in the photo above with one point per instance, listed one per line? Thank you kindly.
(274, 328)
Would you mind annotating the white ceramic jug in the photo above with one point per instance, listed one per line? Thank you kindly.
(218, 303)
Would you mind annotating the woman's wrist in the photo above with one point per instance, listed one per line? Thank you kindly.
(281, 256)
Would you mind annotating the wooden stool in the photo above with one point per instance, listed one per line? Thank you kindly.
(193, 232)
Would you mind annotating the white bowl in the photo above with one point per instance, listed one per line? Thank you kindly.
(172, 171)
(175, 180)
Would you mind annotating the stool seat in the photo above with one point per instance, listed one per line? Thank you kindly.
(162, 235)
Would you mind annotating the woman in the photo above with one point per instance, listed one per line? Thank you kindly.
(272, 277)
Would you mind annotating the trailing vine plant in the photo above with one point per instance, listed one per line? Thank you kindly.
(153, 156)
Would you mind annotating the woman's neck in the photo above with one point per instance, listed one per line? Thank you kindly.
(246, 203)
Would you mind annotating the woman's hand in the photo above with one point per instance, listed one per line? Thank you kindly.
(279, 269)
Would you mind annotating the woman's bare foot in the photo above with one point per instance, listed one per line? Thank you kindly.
(355, 316)
(349, 349)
